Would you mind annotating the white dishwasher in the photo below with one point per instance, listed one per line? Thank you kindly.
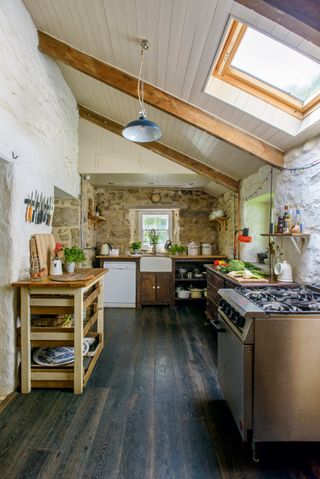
(120, 284)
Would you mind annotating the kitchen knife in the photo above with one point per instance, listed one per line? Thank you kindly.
(30, 209)
(39, 217)
(50, 211)
(27, 201)
(45, 216)
(34, 207)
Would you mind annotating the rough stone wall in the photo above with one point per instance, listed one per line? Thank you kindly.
(190, 225)
(39, 144)
(302, 189)
(71, 223)
(297, 189)
(66, 222)
(228, 202)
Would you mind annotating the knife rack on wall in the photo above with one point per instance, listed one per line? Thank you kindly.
(39, 208)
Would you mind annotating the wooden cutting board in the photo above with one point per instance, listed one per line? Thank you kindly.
(71, 277)
(45, 244)
(250, 280)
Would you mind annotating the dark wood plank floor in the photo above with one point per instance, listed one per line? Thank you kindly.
(152, 409)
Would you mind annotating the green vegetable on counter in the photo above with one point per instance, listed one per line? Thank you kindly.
(238, 266)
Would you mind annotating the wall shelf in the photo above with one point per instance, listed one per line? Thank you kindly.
(222, 222)
(297, 239)
(96, 218)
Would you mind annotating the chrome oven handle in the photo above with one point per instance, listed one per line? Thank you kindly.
(217, 326)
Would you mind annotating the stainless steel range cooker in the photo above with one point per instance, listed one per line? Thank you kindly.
(269, 361)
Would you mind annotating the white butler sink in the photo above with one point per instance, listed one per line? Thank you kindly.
(155, 264)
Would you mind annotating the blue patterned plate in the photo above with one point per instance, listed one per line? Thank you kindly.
(56, 356)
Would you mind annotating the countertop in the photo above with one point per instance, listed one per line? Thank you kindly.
(172, 256)
(271, 281)
(47, 283)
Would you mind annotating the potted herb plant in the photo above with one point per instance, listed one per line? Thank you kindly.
(135, 246)
(177, 249)
(72, 256)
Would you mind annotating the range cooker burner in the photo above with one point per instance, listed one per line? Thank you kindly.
(284, 300)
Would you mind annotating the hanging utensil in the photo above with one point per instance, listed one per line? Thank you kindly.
(30, 209)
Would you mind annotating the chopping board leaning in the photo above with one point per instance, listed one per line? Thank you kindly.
(71, 277)
(45, 244)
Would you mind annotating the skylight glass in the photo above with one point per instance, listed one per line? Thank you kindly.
(277, 65)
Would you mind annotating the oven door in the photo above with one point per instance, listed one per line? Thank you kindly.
(235, 373)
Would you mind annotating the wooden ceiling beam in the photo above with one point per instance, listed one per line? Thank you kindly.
(164, 150)
(300, 17)
(159, 99)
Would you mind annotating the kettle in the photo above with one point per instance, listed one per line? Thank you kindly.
(105, 249)
(283, 271)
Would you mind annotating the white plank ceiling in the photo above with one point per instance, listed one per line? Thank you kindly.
(185, 36)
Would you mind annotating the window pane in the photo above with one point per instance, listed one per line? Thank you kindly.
(148, 222)
(159, 222)
(277, 65)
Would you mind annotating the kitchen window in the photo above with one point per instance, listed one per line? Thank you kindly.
(269, 70)
(159, 220)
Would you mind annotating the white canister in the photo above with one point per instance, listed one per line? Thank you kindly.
(206, 249)
(193, 249)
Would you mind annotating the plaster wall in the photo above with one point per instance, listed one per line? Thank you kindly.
(38, 148)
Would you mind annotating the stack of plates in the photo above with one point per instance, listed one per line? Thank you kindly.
(57, 356)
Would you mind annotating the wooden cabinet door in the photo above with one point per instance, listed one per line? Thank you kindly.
(164, 288)
(148, 288)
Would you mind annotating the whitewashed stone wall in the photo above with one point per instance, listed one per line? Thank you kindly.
(303, 189)
(299, 189)
(39, 121)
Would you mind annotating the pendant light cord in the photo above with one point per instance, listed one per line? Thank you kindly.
(141, 84)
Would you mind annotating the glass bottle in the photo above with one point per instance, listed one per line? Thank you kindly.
(286, 220)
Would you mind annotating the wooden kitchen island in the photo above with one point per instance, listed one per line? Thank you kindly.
(83, 299)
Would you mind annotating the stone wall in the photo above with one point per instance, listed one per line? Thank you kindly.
(71, 223)
(228, 202)
(38, 150)
(66, 222)
(302, 189)
(191, 220)
(297, 189)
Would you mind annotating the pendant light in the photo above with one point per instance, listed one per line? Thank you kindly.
(142, 130)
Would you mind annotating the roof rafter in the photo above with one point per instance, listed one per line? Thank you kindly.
(159, 99)
(164, 150)
(299, 17)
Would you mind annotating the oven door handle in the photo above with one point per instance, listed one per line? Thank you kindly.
(217, 326)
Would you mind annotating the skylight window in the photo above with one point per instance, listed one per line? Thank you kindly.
(269, 70)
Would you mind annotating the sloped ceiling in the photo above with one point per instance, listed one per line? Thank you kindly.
(184, 37)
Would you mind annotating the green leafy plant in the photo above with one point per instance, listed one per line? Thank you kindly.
(153, 237)
(177, 249)
(136, 245)
(74, 255)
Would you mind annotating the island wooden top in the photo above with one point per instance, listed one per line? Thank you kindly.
(270, 282)
(95, 274)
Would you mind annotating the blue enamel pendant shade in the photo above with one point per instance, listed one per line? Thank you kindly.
(142, 130)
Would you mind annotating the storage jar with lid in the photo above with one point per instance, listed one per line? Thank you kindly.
(206, 249)
(193, 249)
